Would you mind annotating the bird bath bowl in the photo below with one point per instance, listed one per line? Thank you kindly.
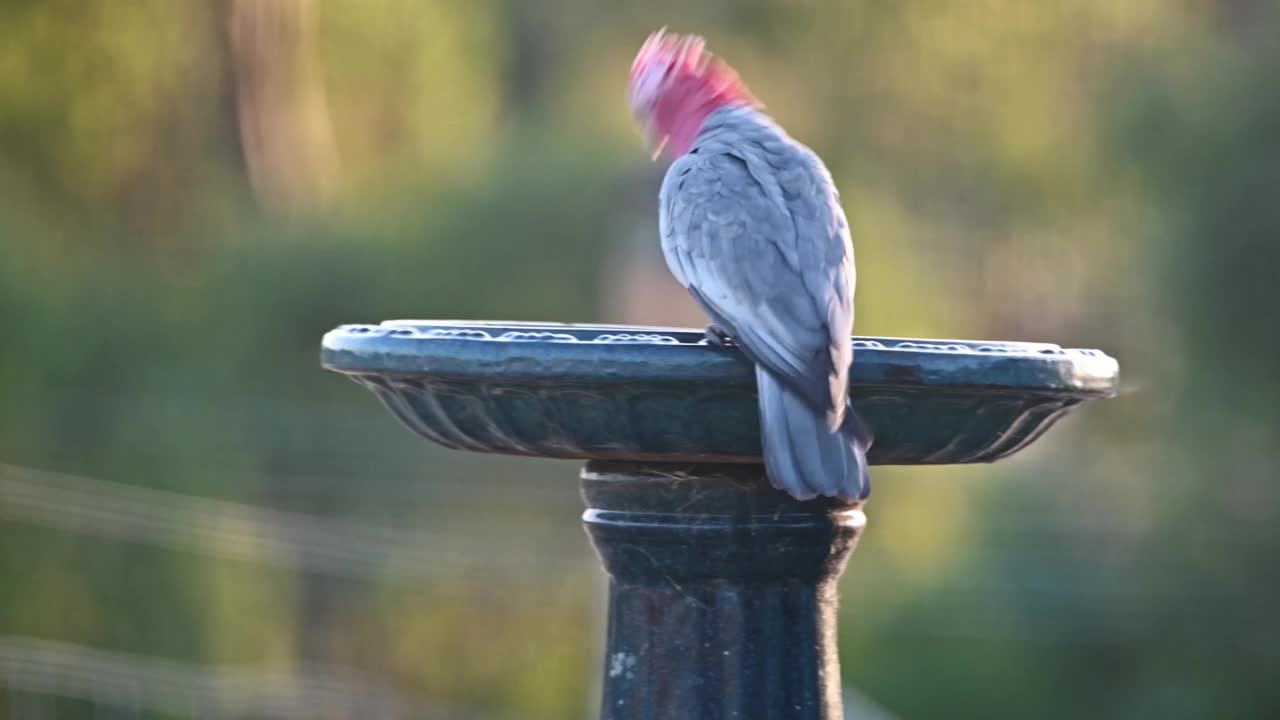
(722, 589)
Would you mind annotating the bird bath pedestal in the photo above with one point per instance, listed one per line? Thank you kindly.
(722, 593)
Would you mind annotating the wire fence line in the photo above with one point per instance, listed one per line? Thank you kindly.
(300, 542)
(34, 671)
(249, 533)
(30, 666)
(333, 546)
(313, 543)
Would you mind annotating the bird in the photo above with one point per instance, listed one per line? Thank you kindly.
(752, 226)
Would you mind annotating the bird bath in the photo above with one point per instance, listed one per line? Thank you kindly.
(722, 590)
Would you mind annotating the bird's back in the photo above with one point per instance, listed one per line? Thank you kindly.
(751, 216)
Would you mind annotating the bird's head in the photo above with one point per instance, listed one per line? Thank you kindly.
(675, 84)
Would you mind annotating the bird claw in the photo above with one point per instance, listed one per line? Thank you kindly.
(718, 337)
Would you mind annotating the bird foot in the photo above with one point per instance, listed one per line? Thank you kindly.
(718, 337)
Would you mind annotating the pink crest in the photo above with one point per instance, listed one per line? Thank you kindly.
(666, 61)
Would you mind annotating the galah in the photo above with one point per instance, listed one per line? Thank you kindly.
(751, 224)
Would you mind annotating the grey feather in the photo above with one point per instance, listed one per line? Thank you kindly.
(751, 224)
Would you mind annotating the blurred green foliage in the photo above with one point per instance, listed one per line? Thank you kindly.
(188, 201)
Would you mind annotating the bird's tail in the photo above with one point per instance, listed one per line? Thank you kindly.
(804, 458)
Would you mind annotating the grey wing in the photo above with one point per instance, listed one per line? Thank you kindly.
(775, 272)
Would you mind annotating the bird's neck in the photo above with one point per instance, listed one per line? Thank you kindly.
(686, 110)
(685, 130)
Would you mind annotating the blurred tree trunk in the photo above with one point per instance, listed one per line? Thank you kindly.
(285, 130)
(288, 147)
(532, 41)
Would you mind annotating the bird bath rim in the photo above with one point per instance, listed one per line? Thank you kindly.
(532, 351)
(652, 394)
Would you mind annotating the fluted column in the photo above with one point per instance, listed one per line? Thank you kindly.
(722, 598)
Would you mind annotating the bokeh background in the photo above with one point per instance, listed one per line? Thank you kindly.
(197, 521)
